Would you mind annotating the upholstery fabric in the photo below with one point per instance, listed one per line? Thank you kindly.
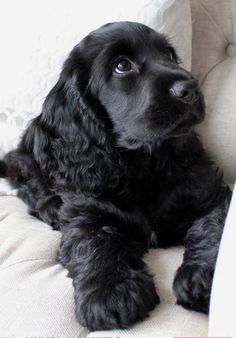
(36, 296)
(214, 64)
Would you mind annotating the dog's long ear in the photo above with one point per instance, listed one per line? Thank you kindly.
(70, 139)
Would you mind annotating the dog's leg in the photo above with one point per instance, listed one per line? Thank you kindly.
(112, 288)
(193, 280)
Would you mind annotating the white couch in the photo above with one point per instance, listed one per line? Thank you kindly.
(36, 297)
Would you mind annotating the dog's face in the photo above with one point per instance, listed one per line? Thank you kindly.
(133, 73)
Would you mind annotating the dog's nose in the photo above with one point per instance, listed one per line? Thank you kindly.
(185, 90)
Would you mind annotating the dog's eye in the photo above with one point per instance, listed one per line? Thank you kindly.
(122, 65)
(169, 53)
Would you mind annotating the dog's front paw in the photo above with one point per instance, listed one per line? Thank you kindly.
(192, 286)
(121, 301)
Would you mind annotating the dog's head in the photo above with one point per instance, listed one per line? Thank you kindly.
(130, 75)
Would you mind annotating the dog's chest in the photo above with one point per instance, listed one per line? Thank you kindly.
(151, 178)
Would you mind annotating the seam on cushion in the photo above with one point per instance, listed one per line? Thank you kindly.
(213, 20)
(208, 72)
(28, 260)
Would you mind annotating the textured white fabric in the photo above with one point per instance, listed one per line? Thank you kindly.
(36, 296)
(35, 291)
(214, 63)
(36, 37)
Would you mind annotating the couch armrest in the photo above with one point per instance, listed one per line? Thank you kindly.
(223, 299)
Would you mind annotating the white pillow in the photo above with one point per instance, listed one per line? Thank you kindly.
(36, 37)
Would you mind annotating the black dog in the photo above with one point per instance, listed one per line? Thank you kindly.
(112, 161)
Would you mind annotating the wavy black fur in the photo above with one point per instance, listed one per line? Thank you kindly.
(112, 162)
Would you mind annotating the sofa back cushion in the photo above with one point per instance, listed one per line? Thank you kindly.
(214, 64)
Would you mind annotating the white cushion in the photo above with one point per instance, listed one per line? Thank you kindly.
(36, 296)
(214, 64)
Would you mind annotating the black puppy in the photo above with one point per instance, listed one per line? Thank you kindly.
(112, 161)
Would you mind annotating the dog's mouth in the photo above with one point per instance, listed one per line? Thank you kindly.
(158, 126)
(155, 136)
(182, 131)
(156, 139)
